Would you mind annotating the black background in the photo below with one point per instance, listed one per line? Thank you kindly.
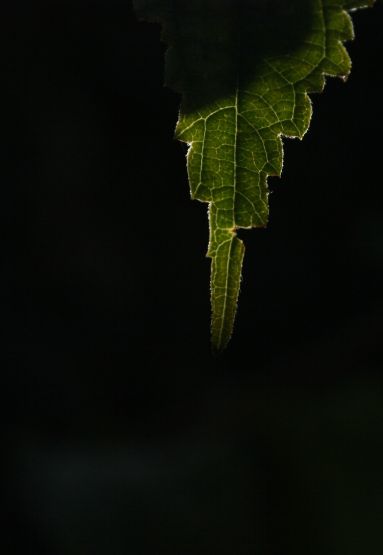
(122, 434)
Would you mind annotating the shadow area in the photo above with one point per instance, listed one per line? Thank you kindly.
(215, 45)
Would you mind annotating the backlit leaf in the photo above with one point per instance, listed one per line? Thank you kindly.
(244, 68)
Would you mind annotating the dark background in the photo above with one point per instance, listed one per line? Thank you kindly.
(122, 434)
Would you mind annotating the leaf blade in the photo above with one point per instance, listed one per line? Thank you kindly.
(236, 109)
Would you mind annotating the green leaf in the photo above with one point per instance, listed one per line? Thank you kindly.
(244, 68)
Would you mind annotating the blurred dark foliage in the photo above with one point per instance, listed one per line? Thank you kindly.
(122, 435)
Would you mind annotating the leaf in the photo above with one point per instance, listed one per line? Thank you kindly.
(244, 68)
